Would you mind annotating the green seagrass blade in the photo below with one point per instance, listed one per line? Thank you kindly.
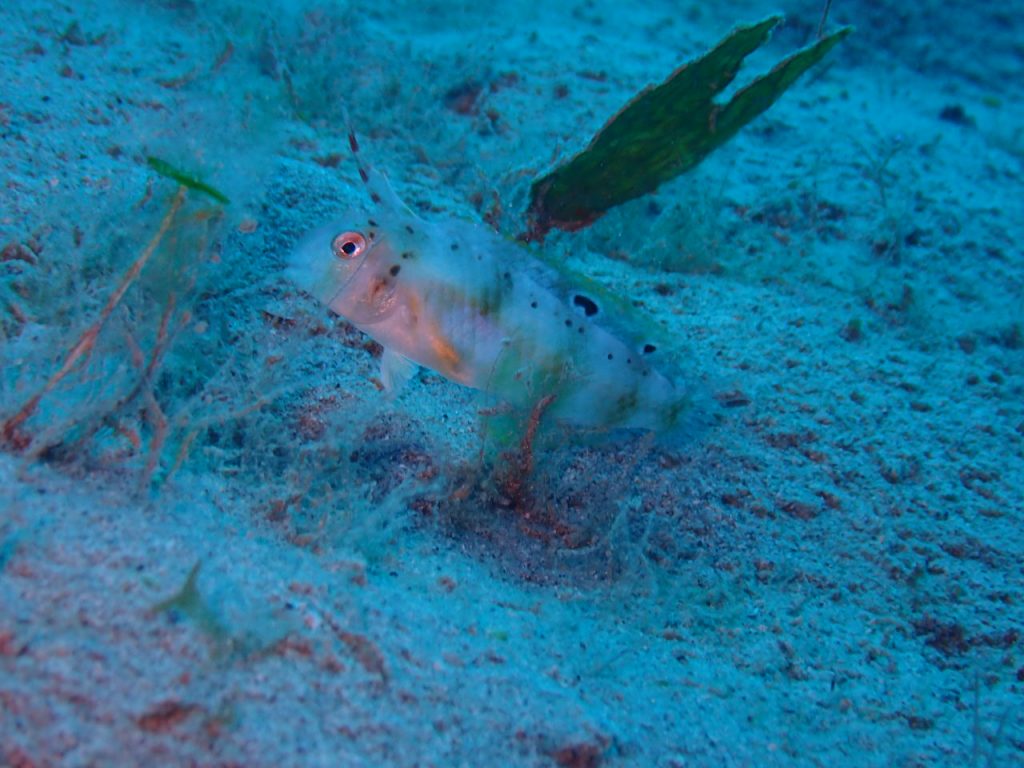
(666, 130)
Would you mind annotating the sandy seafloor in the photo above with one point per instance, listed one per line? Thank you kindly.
(828, 574)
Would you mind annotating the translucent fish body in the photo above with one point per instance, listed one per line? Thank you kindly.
(480, 310)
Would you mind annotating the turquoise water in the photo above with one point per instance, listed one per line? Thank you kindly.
(221, 543)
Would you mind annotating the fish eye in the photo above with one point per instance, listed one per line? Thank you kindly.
(348, 245)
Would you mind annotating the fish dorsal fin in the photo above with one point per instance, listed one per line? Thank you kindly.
(381, 193)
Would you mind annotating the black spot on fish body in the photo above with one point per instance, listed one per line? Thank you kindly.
(649, 348)
(409, 229)
(407, 254)
(395, 270)
(455, 246)
(588, 305)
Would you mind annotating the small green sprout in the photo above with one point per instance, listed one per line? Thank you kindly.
(189, 603)
(166, 169)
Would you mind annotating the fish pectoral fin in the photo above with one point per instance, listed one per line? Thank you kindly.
(395, 370)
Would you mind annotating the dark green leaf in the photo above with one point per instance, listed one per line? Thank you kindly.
(666, 130)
